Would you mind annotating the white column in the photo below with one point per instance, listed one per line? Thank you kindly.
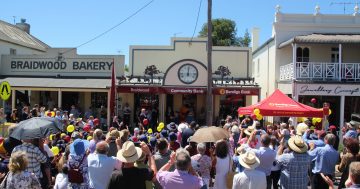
(13, 100)
(294, 60)
(342, 113)
(296, 98)
(340, 60)
(59, 98)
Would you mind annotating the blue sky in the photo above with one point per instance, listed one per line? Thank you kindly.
(69, 23)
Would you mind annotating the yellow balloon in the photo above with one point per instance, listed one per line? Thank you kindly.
(89, 138)
(62, 135)
(256, 111)
(241, 115)
(259, 117)
(70, 128)
(161, 125)
(55, 150)
(150, 131)
(52, 114)
(330, 111)
(314, 121)
(318, 120)
(159, 128)
(300, 119)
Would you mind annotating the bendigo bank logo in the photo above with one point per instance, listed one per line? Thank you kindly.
(222, 91)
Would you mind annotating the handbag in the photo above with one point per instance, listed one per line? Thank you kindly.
(4, 181)
(75, 175)
(230, 174)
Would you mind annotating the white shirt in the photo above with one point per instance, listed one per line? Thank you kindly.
(249, 179)
(61, 181)
(48, 151)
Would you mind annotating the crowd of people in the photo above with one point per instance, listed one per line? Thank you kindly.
(253, 156)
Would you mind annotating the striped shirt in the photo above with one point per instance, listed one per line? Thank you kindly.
(35, 158)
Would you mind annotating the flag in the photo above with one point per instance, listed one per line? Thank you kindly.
(112, 91)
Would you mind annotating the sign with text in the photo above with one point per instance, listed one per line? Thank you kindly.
(137, 89)
(5, 90)
(328, 89)
(236, 91)
(78, 65)
(180, 90)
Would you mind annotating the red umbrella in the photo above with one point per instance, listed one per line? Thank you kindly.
(278, 104)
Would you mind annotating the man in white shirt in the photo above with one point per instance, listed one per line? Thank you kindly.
(100, 166)
(249, 178)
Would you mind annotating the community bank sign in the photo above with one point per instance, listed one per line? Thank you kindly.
(328, 89)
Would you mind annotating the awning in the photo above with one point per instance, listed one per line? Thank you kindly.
(278, 104)
(58, 83)
(323, 39)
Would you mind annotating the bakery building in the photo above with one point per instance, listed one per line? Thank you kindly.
(53, 77)
(170, 81)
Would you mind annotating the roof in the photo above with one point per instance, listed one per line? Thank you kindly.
(263, 45)
(13, 34)
(58, 83)
(323, 39)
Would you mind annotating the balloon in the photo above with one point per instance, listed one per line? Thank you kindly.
(51, 137)
(55, 150)
(330, 111)
(256, 111)
(62, 135)
(48, 114)
(150, 131)
(89, 138)
(87, 128)
(313, 100)
(318, 120)
(253, 116)
(145, 122)
(52, 114)
(67, 138)
(159, 129)
(70, 128)
(313, 121)
(96, 121)
(259, 117)
(241, 115)
(161, 125)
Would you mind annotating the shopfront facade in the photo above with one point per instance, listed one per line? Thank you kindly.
(170, 81)
(59, 79)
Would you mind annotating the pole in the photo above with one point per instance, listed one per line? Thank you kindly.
(209, 95)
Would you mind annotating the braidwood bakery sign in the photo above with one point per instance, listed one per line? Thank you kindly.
(328, 90)
(92, 65)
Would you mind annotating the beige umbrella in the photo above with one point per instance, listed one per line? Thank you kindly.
(209, 134)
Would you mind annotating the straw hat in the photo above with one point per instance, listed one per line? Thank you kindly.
(249, 130)
(129, 153)
(249, 160)
(297, 144)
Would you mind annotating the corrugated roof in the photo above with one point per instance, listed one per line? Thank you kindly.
(58, 83)
(13, 34)
(323, 39)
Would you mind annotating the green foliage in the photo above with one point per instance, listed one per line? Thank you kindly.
(126, 68)
(224, 33)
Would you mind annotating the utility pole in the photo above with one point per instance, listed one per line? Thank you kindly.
(209, 95)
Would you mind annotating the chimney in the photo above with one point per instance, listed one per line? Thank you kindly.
(255, 38)
(23, 26)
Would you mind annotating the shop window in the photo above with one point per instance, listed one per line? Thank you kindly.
(98, 99)
(302, 54)
(150, 103)
(229, 105)
(335, 54)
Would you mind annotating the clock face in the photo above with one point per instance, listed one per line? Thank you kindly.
(188, 73)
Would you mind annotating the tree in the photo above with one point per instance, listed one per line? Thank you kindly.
(126, 67)
(225, 33)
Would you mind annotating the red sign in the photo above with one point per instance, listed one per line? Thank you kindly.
(178, 90)
(236, 91)
(137, 89)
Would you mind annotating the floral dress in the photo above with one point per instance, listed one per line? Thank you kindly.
(74, 161)
(22, 180)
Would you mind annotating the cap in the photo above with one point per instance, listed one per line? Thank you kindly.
(332, 127)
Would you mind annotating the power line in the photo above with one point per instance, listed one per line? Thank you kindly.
(197, 19)
(107, 31)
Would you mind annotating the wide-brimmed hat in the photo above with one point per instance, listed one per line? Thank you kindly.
(297, 144)
(79, 147)
(249, 130)
(172, 127)
(129, 153)
(249, 160)
(355, 120)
